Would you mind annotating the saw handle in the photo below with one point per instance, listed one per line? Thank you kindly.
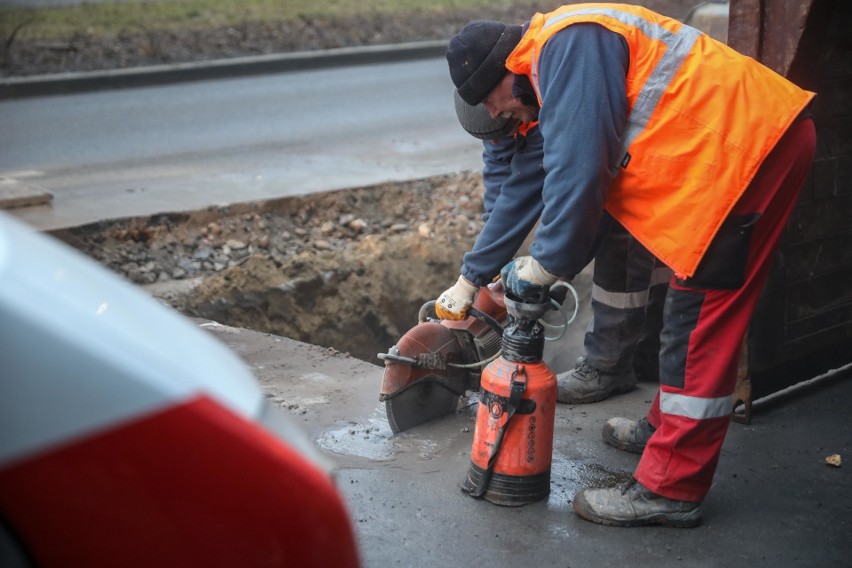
(427, 310)
(483, 317)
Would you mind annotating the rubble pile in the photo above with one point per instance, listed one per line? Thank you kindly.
(345, 269)
(179, 246)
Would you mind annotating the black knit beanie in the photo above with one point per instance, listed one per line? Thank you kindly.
(477, 57)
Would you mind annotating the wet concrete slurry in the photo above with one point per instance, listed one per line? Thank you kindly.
(775, 502)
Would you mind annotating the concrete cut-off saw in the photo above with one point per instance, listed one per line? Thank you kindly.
(438, 361)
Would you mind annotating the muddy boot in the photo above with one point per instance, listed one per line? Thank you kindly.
(632, 505)
(585, 384)
(628, 435)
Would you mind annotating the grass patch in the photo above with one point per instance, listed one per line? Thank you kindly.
(109, 20)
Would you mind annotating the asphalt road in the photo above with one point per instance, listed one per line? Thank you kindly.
(186, 146)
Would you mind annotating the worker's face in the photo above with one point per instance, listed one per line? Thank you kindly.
(500, 102)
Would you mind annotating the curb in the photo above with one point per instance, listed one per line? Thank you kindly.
(67, 83)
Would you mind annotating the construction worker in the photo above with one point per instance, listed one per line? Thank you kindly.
(629, 284)
(696, 150)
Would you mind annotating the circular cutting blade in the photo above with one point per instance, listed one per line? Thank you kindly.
(424, 401)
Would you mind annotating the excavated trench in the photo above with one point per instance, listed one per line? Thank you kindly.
(347, 270)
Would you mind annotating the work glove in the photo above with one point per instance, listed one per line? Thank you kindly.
(455, 302)
(526, 279)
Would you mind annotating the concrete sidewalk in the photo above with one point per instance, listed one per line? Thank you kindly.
(775, 502)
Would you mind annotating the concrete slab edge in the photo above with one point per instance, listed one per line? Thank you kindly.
(67, 83)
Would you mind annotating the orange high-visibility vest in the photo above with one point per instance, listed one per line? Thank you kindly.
(701, 120)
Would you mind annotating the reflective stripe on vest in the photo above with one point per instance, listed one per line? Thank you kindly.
(695, 407)
(678, 47)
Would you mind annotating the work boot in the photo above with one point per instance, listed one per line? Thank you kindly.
(632, 505)
(585, 384)
(628, 435)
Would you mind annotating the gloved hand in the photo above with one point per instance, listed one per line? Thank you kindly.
(454, 303)
(525, 278)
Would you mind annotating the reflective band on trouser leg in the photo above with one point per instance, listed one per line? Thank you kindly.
(680, 458)
(622, 277)
(614, 330)
(620, 300)
(694, 407)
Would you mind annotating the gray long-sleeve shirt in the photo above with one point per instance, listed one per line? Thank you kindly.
(582, 72)
(513, 178)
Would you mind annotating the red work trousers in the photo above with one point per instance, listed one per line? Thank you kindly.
(705, 320)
